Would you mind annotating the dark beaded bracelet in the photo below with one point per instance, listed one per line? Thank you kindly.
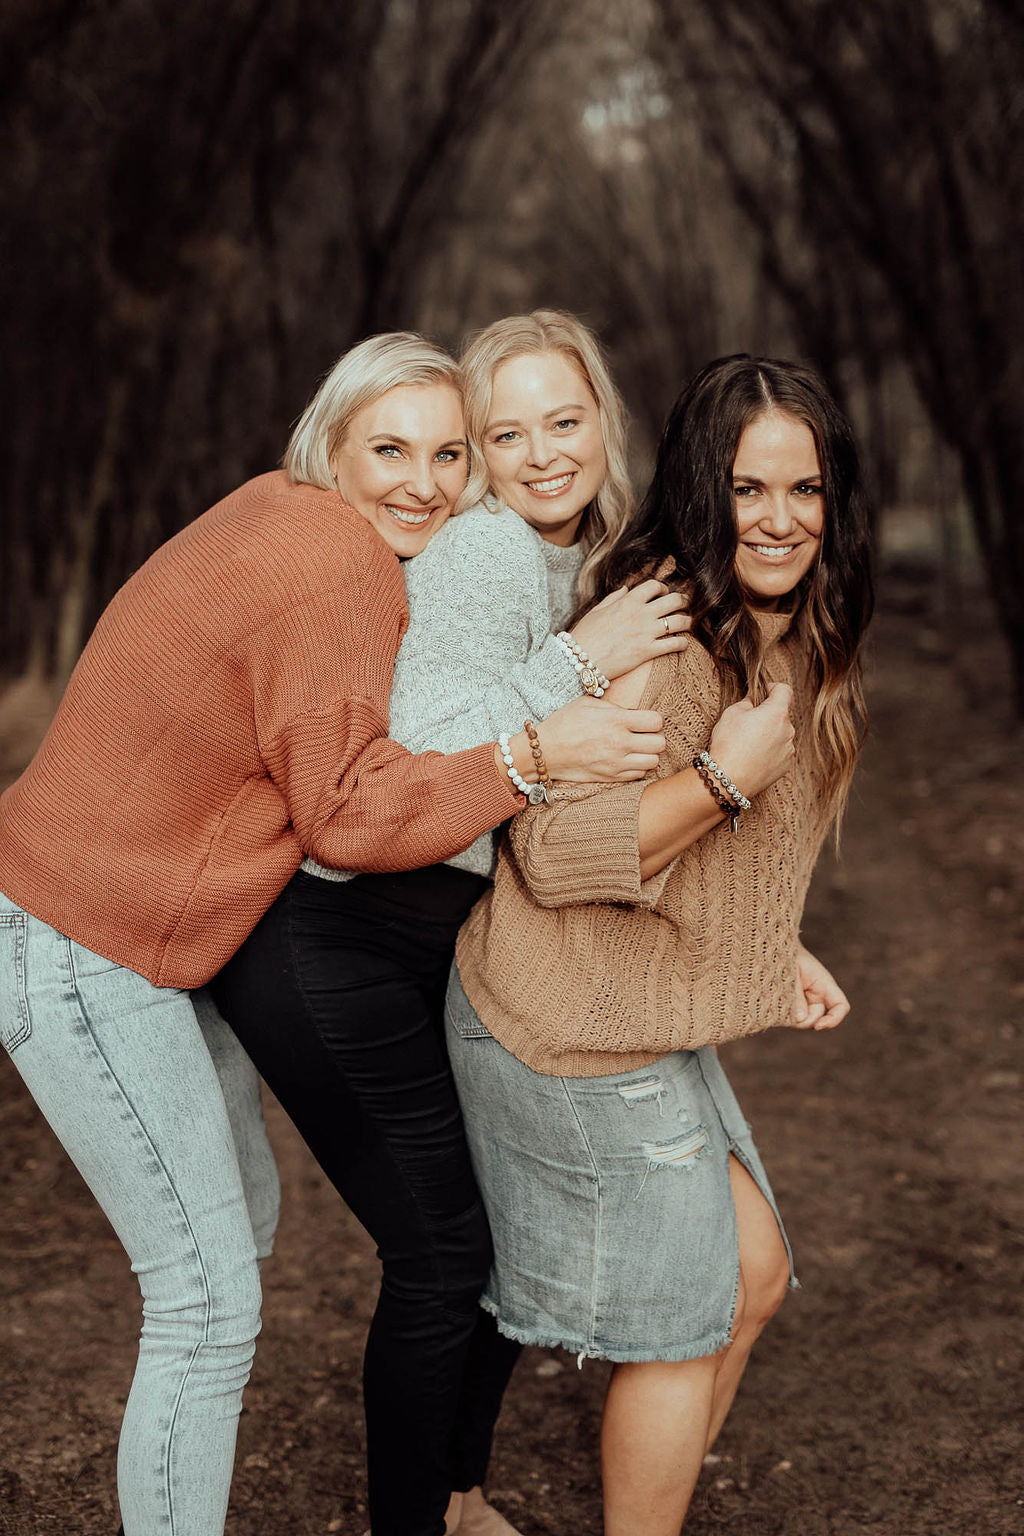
(718, 794)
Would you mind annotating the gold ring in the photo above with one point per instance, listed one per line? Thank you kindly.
(668, 630)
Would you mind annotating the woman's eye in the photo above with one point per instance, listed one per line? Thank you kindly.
(388, 450)
(566, 424)
(448, 456)
(504, 437)
(744, 491)
(808, 490)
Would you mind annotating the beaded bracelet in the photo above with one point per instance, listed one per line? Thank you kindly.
(592, 679)
(538, 753)
(725, 781)
(536, 794)
(717, 792)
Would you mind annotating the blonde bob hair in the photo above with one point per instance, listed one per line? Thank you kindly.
(552, 330)
(360, 375)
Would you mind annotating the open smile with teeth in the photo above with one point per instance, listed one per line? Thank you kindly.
(412, 518)
(553, 486)
(772, 551)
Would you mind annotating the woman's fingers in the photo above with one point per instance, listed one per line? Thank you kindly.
(668, 602)
(647, 590)
(834, 1015)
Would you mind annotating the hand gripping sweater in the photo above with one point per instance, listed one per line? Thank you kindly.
(228, 715)
(581, 969)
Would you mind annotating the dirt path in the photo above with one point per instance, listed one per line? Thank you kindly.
(884, 1401)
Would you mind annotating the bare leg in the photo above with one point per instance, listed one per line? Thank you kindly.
(656, 1421)
(764, 1277)
(660, 1417)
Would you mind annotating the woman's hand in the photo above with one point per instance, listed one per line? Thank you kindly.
(820, 1001)
(591, 741)
(632, 625)
(754, 743)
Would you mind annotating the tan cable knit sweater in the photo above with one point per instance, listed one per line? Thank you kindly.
(581, 969)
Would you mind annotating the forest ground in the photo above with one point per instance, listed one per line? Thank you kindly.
(884, 1400)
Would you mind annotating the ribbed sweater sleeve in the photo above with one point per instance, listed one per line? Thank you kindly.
(229, 711)
(584, 847)
(478, 656)
(355, 798)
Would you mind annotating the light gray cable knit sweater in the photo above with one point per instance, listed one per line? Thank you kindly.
(479, 656)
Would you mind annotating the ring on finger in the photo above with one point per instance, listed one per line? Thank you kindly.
(668, 627)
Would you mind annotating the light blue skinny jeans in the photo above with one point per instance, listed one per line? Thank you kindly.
(159, 1109)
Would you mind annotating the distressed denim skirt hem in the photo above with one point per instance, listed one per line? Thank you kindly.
(601, 1351)
(609, 1198)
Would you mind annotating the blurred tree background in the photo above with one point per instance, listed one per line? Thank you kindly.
(205, 204)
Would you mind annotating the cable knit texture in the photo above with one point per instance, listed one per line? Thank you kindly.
(479, 656)
(229, 713)
(581, 969)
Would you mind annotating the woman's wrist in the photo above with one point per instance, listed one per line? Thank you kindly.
(518, 748)
(592, 679)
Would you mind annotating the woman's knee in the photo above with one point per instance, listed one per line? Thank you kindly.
(764, 1281)
(763, 1259)
(204, 1302)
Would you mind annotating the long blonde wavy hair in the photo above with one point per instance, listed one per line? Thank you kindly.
(552, 330)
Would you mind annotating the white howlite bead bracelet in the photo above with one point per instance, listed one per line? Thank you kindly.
(536, 794)
(592, 679)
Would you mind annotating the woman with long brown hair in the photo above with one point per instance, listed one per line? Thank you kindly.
(634, 927)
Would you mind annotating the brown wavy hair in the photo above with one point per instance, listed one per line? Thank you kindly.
(688, 515)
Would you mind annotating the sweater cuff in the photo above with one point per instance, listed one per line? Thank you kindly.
(484, 797)
(554, 673)
(581, 851)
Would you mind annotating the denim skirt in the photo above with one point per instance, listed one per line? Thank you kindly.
(608, 1197)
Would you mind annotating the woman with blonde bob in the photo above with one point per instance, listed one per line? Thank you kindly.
(227, 718)
(632, 928)
(337, 994)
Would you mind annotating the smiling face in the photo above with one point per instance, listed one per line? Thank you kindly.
(780, 506)
(402, 463)
(543, 443)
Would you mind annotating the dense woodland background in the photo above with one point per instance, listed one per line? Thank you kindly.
(205, 204)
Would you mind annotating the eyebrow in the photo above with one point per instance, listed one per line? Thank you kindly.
(800, 480)
(560, 411)
(403, 442)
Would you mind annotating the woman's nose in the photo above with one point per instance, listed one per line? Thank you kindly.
(540, 450)
(776, 516)
(422, 481)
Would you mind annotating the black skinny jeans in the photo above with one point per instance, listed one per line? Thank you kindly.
(338, 997)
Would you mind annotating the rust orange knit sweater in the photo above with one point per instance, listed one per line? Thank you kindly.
(228, 715)
(581, 969)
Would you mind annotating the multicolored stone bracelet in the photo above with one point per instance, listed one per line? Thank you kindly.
(723, 778)
(721, 788)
